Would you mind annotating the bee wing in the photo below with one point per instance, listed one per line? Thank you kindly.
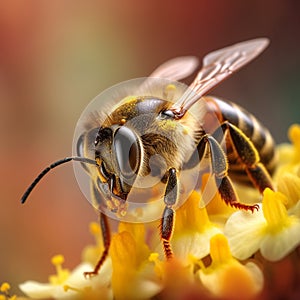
(217, 66)
(176, 68)
(173, 70)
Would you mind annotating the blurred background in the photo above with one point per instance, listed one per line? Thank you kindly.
(55, 56)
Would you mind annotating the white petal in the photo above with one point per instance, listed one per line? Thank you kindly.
(196, 244)
(257, 275)
(78, 280)
(276, 246)
(145, 289)
(146, 285)
(77, 277)
(244, 231)
(36, 290)
(211, 281)
(295, 210)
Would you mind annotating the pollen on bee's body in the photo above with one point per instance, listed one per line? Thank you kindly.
(110, 205)
(169, 92)
(122, 213)
(168, 125)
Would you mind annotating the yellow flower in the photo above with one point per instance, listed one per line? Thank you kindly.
(4, 292)
(289, 155)
(294, 136)
(209, 240)
(66, 285)
(273, 229)
(215, 206)
(92, 253)
(289, 185)
(193, 230)
(226, 277)
(133, 275)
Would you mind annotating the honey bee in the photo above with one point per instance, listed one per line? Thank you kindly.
(156, 131)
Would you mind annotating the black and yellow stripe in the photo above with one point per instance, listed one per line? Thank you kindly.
(254, 130)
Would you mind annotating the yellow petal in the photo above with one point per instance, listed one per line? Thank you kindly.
(193, 243)
(289, 185)
(193, 230)
(212, 199)
(219, 249)
(294, 136)
(226, 277)
(189, 217)
(138, 233)
(137, 230)
(274, 210)
(131, 278)
(240, 282)
(123, 251)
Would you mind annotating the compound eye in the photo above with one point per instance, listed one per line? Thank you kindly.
(127, 151)
(79, 146)
(80, 150)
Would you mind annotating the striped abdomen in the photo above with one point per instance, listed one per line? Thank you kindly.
(253, 129)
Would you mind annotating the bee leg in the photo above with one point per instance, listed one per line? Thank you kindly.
(106, 242)
(219, 167)
(249, 157)
(168, 218)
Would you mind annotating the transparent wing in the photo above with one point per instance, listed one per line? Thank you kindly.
(176, 68)
(173, 70)
(217, 66)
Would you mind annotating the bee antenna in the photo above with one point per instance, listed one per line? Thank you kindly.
(52, 166)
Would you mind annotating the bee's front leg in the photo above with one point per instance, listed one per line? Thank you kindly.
(106, 242)
(168, 218)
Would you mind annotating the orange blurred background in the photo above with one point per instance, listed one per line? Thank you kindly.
(55, 56)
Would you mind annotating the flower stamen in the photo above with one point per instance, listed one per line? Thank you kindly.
(4, 292)
(158, 264)
(61, 274)
(96, 233)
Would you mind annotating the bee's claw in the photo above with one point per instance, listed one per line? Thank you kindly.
(90, 274)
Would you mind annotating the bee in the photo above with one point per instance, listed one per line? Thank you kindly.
(157, 131)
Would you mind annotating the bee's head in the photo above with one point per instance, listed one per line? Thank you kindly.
(118, 154)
